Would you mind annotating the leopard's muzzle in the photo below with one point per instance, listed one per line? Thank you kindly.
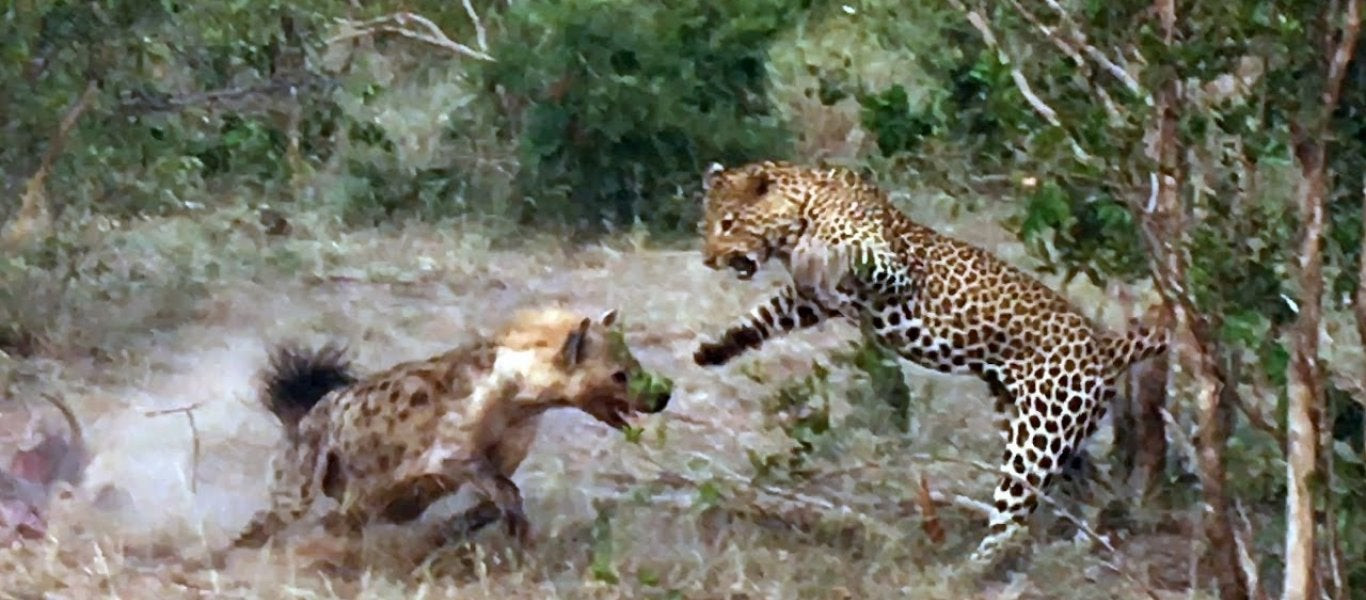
(745, 265)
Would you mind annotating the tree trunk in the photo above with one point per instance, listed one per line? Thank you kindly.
(1359, 306)
(1193, 346)
(1305, 416)
(1305, 382)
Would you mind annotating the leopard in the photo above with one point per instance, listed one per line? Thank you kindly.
(934, 300)
(388, 445)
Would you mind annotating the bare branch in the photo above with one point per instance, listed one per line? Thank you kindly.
(479, 36)
(964, 502)
(34, 217)
(1057, 507)
(980, 23)
(1079, 39)
(929, 514)
(1163, 225)
(1337, 69)
(194, 437)
(1067, 47)
(140, 103)
(426, 31)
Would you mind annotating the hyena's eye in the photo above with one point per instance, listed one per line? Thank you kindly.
(620, 377)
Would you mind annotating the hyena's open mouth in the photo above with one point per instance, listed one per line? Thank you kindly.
(613, 414)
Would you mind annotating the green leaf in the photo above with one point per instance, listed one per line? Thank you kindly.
(1346, 453)
(708, 494)
(647, 576)
(698, 463)
(1048, 209)
(1245, 328)
(602, 567)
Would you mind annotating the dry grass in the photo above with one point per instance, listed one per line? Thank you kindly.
(676, 515)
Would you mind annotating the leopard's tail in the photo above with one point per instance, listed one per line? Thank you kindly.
(298, 378)
(1139, 343)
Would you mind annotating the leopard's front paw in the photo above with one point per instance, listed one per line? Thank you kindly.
(710, 354)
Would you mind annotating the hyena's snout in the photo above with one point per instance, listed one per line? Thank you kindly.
(657, 402)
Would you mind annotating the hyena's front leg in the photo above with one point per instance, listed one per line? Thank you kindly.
(783, 313)
(495, 487)
(505, 456)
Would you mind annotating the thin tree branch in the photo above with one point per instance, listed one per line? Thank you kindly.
(1164, 231)
(1242, 537)
(1346, 49)
(1016, 75)
(1109, 66)
(399, 24)
(1067, 47)
(142, 104)
(34, 216)
(479, 35)
(194, 437)
(1057, 507)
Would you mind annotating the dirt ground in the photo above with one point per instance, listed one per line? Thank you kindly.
(674, 516)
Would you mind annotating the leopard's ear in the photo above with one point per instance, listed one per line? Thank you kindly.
(711, 176)
(759, 183)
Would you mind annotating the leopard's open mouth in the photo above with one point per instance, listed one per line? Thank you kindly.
(744, 266)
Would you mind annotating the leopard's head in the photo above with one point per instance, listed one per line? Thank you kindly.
(749, 215)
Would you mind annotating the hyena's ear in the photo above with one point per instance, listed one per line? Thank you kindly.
(609, 318)
(710, 177)
(572, 350)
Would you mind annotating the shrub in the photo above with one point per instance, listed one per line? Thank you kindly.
(619, 105)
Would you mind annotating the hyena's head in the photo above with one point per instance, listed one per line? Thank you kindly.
(583, 362)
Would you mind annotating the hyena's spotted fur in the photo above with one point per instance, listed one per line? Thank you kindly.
(389, 445)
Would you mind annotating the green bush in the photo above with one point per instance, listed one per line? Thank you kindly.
(152, 139)
(621, 104)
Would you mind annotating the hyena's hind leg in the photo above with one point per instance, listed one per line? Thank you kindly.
(294, 487)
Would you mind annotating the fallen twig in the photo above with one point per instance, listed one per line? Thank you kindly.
(929, 514)
(194, 433)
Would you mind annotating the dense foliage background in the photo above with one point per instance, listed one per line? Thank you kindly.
(1118, 137)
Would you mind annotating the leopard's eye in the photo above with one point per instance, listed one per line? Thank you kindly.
(727, 223)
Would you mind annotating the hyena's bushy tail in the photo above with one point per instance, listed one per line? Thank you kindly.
(299, 377)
